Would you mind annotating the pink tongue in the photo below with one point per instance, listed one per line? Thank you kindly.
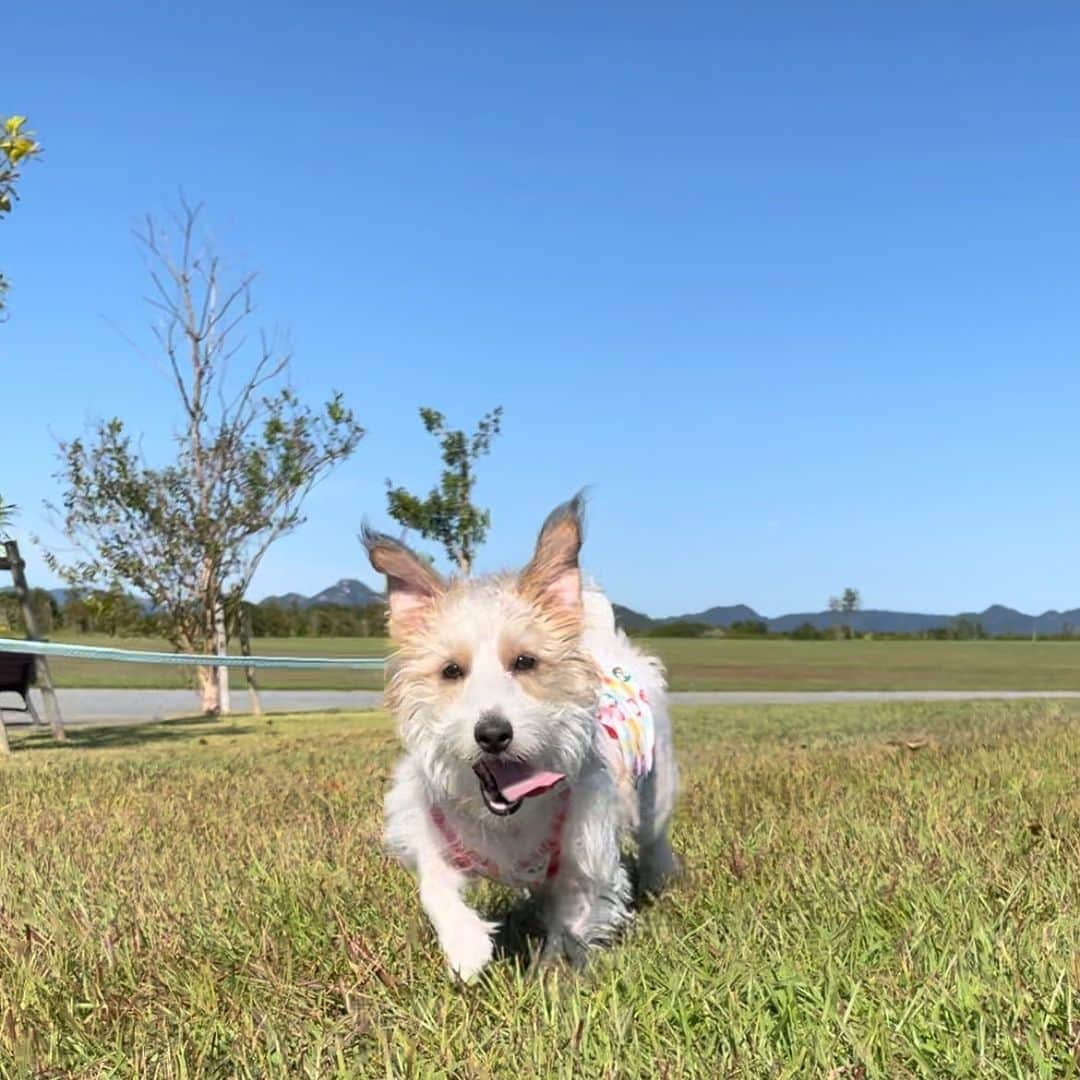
(517, 780)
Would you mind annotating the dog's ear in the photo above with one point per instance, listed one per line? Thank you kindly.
(552, 577)
(411, 583)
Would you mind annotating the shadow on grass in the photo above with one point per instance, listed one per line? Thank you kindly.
(182, 729)
(520, 934)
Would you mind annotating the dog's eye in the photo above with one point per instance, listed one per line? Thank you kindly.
(525, 662)
(452, 671)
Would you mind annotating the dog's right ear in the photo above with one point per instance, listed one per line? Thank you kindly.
(411, 583)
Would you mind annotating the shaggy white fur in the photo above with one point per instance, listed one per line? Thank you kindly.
(526, 653)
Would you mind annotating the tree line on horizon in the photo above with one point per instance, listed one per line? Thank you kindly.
(118, 614)
(114, 613)
(959, 629)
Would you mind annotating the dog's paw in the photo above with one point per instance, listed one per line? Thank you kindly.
(658, 867)
(469, 949)
(562, 946)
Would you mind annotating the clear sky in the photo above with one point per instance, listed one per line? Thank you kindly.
(795, 287)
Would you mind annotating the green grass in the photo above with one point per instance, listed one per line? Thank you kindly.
(94, 673)
(693, 664)
(717, 664)
(887, 891)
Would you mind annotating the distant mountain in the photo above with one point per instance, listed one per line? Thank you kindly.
(869, 621)
(288, 600)
(719, 616)
(348, 592)
(996, 620)
(629, 619)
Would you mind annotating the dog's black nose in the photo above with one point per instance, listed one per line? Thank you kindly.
(493, 732)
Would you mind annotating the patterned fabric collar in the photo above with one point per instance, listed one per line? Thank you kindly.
(626, 717)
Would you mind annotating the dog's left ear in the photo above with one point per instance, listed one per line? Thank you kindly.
(412, 585)
(553, 578)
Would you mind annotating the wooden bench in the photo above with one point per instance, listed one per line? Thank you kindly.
(16, 677)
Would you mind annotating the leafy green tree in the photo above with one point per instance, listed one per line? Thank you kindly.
(113, 611)
(17, 147)
(448, 515)
(189, 534)
(836, 606)
(845, 605)
(850, 602)
(963, 629)
(43, 605)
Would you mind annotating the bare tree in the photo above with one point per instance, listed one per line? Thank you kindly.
(7, 515)
(836, 607)
(190, 534)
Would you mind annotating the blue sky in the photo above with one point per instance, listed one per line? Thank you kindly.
(794, 287)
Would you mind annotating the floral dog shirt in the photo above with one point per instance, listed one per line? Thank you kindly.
(626, 718)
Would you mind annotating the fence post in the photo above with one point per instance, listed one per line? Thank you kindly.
(44, 679)
(249, 672)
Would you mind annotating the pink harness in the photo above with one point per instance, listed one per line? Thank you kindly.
(541, 865)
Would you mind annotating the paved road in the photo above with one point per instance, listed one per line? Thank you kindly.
(809, 697)
(103, 706)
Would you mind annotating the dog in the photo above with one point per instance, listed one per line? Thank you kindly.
(536, 738)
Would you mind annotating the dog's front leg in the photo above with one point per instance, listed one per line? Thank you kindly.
(587, 901)
(465, 937)
(569, 904)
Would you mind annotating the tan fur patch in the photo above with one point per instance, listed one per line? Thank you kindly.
(414, 671)
(563, 672)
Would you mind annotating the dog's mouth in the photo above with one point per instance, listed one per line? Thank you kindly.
(505, 784)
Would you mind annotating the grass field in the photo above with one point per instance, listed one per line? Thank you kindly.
(693, 664)
(887, 891)
(716, 664)
(92, 673)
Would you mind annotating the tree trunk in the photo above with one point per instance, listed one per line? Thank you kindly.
(209, 691)
(221, 648)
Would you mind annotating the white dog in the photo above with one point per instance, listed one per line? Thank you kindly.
(536, 735)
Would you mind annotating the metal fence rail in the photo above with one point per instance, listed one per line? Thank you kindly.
(140, 656)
